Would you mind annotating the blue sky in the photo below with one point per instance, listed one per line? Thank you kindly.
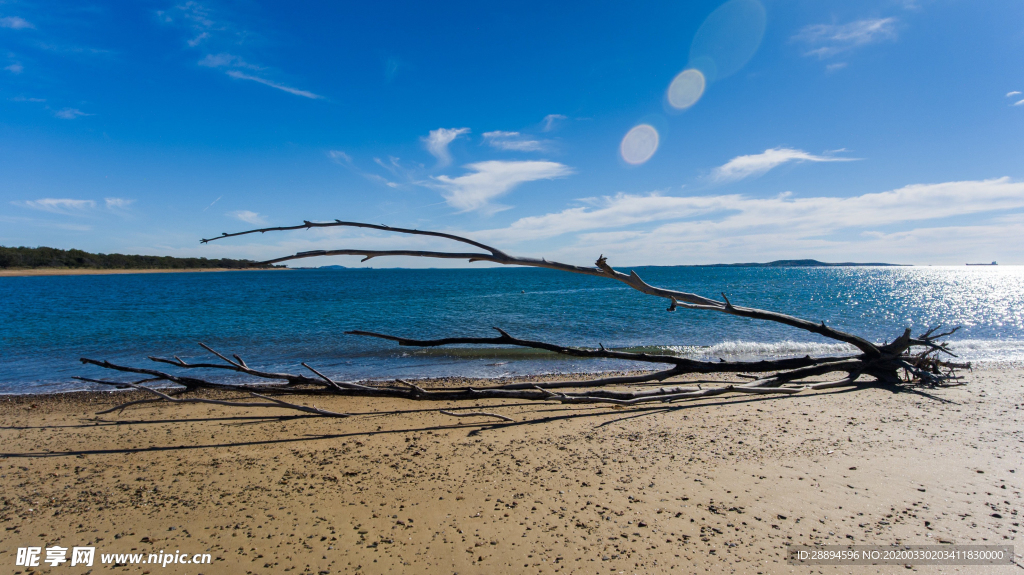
(662, 133)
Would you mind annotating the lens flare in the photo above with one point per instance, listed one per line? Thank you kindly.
(686, 89)
(639, 144)
(728, 39)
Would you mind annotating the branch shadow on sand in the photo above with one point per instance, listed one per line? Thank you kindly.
(474, 428)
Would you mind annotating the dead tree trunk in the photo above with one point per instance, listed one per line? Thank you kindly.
(906, 361)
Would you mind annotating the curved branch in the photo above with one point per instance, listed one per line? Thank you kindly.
(239, 366)
(683, 365)
(413, 392)
(271, 401)
(336, 223)
(601, 269)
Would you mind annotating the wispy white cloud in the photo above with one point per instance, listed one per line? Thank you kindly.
(193, 42)
(513, 141)
(65, 206)
(343, 159)
(491, 179)
(339, 157)
(70, 113)
(742, 167)
(1012, 94)
(24, 99)
(737, 226)
(380, 180)
(825, 40)
(551, 120)
(248, 217)
(1019, 103)
(713, 216)
(611, 212)
(437, 143)
(224, 60)
(209, 30)
(118, 203)
(197, 18)
(15, 68)
(391, 68)
(835, 66)
(241, 76)
(393, 166)
(15, 22)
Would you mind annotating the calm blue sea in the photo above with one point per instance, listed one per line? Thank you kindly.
(277, 319)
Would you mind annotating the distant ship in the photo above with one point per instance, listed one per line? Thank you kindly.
(991, 264)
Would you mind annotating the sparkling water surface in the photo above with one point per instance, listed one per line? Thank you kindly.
(276, 319)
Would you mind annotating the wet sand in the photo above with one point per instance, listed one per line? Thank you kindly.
(712, 486)
(102, 272)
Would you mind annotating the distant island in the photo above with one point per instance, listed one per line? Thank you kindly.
(52, 258)
(793, 264)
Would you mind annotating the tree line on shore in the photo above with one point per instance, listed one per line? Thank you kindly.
(43, 257)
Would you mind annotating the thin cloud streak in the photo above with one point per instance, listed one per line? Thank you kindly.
(826, 40)
(118, 203)
(213, 202)
(241, 76)
(70, 113)
(341, 158)
(512, 141)
(207, 30)
(742, 167)
(64, 206)
(225, 60)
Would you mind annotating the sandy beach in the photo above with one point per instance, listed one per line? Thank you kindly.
(713, 486)
(103, 272)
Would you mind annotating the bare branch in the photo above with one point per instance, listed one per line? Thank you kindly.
(916, 358)
(336, 223)
(683, 365)
(601, 269)
(273, 402)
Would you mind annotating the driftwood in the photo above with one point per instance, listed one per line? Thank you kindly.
(906, 361)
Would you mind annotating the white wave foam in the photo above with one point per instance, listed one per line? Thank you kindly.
(997, 350)
(761, 350)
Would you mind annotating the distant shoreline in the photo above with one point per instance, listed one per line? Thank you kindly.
(33, 272)
(796, 264)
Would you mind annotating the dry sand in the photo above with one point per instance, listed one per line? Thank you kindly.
(97, 272)
(719, 486)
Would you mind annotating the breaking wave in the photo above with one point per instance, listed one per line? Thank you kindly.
(970, 350)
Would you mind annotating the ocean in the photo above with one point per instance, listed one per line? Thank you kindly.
(276, 319)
